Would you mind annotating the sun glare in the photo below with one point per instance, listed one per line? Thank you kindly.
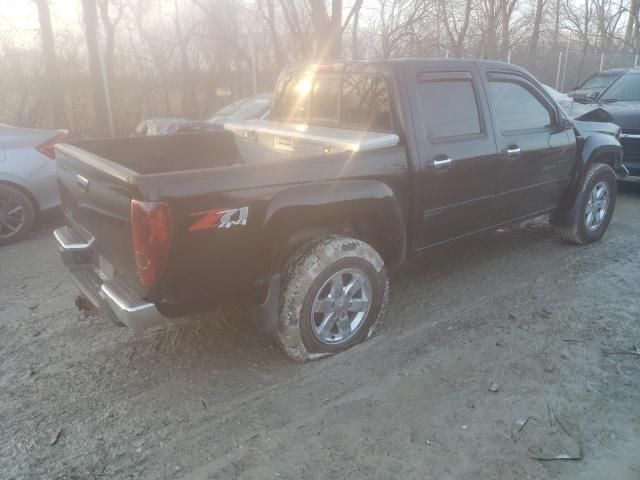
(303, 87)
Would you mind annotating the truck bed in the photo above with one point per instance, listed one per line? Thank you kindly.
(163, 154)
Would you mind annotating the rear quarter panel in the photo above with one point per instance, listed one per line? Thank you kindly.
(213, 265)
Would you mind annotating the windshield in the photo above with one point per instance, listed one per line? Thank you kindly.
(600, 81)
(627, 88)
(229, 108)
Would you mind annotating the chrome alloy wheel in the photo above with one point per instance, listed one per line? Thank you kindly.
(341, 306)
(12, 216)
(597, 206)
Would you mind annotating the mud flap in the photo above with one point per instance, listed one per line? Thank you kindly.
(565, 217)
(265, 316)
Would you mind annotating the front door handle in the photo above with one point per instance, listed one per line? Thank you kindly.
(512, 151)
(82, 182)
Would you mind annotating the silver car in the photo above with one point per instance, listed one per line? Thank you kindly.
(28, 183)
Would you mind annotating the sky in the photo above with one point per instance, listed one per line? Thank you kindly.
(22, 15)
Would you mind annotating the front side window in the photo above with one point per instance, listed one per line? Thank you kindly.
(449, 108)
(517, 108)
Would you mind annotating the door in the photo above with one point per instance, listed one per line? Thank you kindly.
(537, 153)
(458, 156)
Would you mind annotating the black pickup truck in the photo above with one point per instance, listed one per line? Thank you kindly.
(289, 217)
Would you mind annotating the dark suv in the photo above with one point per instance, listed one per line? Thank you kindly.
(615, 98)
(593, 87)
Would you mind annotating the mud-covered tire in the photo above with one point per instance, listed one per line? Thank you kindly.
(578, 232)
(306, 274)
(15, 227)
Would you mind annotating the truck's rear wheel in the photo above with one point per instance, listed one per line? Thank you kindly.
(334, 295)
(594, 206)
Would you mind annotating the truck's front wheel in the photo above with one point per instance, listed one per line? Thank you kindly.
(335, 294)
(595, 205)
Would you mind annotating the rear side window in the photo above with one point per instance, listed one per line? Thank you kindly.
(292, 99)
(354, 100)
(325, 97)
(449, 107)
(365, 103)
(517, 108)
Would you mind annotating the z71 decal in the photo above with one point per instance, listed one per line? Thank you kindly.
(225, 218)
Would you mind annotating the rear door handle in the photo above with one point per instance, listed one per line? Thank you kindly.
(440, 162)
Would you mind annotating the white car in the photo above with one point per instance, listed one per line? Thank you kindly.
(28, 184)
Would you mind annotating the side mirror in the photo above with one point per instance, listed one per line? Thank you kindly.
(562, 125)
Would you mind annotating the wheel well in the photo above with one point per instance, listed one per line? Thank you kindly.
(28, 194)
(362, 228)
(606, 157)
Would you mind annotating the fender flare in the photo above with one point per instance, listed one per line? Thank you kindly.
(598, 146)
(321, 205)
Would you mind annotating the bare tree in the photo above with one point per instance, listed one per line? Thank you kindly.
(506, 13)
(632, 20)
(456, 25)
(578, 18)
(56, 92)
(188, 98)
(399, 26)
(490, 13)
(355, 13)
(326, 29)
(110, 25)
(267, 12)
(535, 33)
(90, 15)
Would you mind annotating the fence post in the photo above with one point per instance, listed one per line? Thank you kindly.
(446, 53)
(635, 61)
(564, 70)
(601, 61)
(254, 67)
(107, 93)
(558, 70)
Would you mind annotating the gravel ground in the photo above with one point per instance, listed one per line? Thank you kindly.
(493, 353)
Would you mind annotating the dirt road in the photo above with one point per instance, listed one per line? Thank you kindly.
(211, 398)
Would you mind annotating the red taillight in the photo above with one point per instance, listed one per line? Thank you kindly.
(47, 148)
(151, 233)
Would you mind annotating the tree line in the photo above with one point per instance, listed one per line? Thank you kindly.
(124, 60)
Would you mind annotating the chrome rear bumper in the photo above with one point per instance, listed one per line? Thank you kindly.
(118, 298)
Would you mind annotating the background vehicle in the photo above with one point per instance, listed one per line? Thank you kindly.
(28, 182)
(361, 167)
(591, 89)
(620, 104)
(249, 108)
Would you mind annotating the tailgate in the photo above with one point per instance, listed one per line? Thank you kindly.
(96, 198)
